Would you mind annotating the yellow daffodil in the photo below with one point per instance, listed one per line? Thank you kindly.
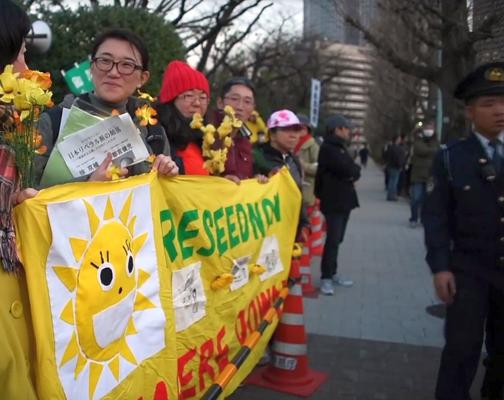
(224, 129)
(146, 114)
(113, 172)
(222, 282)
(43, 79)
(209, 138)
(151, 158)
(146, 96)
(28, 93)
(22, 106)
(208, 129)
(40, 97)
(228, 142)
(257, 269)
(197, 121)
(8, 84)
(229, 110)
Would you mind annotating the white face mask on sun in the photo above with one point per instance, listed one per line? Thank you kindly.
(428, 132)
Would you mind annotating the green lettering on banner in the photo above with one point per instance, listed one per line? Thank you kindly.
(207, 225)
(234, 240)
(169, 236)
(241, 216)
(271, 209)
(222, 245)
(184, 234)
(256, 219)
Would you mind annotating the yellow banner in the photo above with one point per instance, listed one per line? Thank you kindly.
(146, 288)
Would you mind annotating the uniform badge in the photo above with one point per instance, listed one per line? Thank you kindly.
(494, 75)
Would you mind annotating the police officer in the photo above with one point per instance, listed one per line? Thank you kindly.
(464, 234)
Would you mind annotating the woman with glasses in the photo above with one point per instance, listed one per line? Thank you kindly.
(119, 68)
(184, 92)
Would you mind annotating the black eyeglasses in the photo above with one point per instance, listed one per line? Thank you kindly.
(105, 64)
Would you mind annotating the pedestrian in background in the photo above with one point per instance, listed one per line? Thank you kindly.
(335, 187)
(364, 154)
(463, 219)
(424, 149)
(395, 157)
(307, 149)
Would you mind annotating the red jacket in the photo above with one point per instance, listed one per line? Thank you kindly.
(239, 159)
(193, 160)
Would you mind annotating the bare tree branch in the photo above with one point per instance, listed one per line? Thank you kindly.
(237, 40)
(421, 71)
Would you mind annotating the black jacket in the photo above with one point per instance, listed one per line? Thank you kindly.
(463, 216)
(268, 159)
(395, 156)
(336, 174)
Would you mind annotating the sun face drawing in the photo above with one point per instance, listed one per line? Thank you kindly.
(104, 285)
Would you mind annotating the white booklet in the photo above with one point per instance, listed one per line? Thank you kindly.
(84, 150)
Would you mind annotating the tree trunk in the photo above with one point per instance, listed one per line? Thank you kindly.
(458, 58)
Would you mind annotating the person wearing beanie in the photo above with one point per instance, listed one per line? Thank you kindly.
(307, 149)
(335, 180)
(184, 92)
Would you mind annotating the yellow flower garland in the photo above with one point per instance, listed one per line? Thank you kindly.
(217, 141)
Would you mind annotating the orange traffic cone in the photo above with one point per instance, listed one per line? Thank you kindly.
(305, 269)
(317, 237)
(289, 371)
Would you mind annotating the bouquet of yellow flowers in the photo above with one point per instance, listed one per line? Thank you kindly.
(217, 141)
(23, 97)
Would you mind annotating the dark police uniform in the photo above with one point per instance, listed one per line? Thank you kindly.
(463, 219)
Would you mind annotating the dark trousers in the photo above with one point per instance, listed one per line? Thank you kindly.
(336, 226)
(493, 381)
(464, 327)
(418, 191)
(393, 183)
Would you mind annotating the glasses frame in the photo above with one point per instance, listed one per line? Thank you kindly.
(240, 100)
(117, 65)
(192, 97)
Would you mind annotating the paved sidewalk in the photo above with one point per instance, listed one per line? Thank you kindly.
(376, 339)
(393, 285)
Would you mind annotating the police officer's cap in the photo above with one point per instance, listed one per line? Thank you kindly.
(487, 79)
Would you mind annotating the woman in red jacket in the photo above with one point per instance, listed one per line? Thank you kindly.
(184, 92)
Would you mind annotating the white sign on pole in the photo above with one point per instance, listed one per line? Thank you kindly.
(314, 102)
